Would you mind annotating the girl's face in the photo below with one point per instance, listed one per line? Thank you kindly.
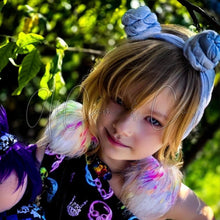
(125, 135)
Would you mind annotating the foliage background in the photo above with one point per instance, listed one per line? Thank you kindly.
(48, 46)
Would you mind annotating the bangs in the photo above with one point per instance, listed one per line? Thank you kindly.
(131, 89)
(137, 72)
(139, 77)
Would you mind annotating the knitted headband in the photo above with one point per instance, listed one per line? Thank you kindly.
(201, 50)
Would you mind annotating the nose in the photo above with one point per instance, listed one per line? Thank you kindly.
(125, 124)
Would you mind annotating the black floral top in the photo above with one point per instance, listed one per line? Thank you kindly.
(79, 189)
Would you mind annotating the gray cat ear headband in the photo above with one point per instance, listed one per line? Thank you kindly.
(201, 50)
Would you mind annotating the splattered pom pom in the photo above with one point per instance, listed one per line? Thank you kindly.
(66, 132)
(150, 188)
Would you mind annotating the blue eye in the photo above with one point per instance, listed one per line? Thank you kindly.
(153, 121)
(119, 101)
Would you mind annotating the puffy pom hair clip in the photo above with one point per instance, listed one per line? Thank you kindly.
(202, 50)
(16, 157)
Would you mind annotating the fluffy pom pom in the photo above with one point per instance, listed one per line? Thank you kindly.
(66, 132)
(150, 189)
(140, 22)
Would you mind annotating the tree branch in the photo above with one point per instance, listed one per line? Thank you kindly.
(191, 8)
(85, 50)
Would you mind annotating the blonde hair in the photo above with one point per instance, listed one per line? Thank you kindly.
(137, 71)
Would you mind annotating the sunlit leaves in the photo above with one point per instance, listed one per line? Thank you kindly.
(81, 8)
(30, 65)
(26, 8)
(52, 80)
(203, 174)
(59, 82)
(87, 22)
(6, 52)
(44, 91)
(33, 20)
(28, 69)
(217, 78)
(26, 39)
(61, 44)
(2, 3)
(26, 42)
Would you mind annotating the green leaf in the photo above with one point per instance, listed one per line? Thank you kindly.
(53, 73)
(4, 41)
(26, 39)
(60, 54)
(29, 68)
(26, 49)
(26, 8)
(54, 65)
(13, 62)
(2, 4)
(5, 53)
(57, 62)
(61, 44)
(44, 91)
(58, 82)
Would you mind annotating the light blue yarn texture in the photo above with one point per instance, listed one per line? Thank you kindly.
(201, 50)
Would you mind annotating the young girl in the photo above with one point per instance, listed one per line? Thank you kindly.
(119, 153)
(117, 156)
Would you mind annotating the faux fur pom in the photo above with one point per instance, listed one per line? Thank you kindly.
(66, 131)
(150, 188)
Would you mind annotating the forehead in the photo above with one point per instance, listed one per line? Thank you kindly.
(164, 98)
(161, 103)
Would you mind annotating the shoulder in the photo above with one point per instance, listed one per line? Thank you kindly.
(189, 206)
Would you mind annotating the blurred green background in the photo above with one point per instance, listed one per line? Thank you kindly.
(48, 46)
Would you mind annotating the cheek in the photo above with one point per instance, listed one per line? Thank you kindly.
(10, 195)
(108, 113)
(104, 120)
(151, 138)
(153, 132)
(103, 116)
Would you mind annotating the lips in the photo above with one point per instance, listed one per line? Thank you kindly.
(113, 141)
